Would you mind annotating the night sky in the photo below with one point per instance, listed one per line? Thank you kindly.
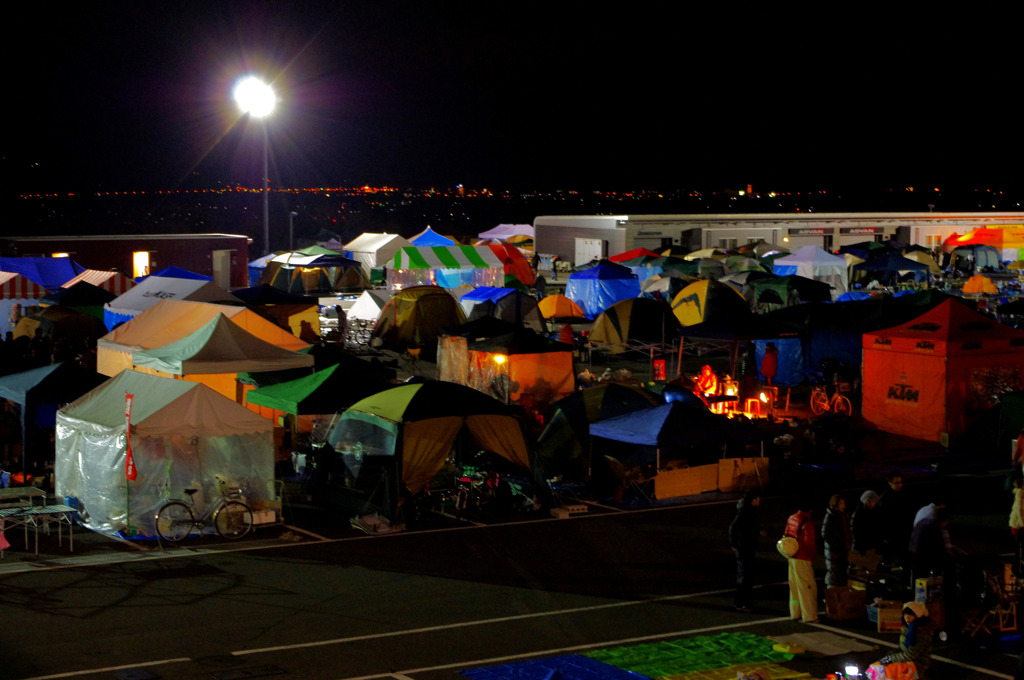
(508, 95)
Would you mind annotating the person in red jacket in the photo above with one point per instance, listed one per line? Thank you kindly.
(803, 590)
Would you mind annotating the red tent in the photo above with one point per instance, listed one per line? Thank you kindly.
(932, 377)
(633, 254)
(515, 262)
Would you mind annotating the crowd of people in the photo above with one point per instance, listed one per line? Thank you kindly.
(882, 528)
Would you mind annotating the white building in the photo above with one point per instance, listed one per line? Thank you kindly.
(580, 238)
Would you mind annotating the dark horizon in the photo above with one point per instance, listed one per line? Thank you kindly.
(126, 96)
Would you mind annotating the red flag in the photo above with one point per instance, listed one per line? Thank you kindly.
(129, 462)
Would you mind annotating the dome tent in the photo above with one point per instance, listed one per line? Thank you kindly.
(597, 288)
(395, 442)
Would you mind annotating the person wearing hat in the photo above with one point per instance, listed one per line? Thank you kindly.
(915, 647)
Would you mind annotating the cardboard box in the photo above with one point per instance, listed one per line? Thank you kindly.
(844, 603)
(264, 517)
(890, 616)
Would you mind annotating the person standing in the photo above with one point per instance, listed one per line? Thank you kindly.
(898, 515)
(1017, 525)
(744, 533)
(803, 590)
(835, 535)
(770, 363)
(867, 526)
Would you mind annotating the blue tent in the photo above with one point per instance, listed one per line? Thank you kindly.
(599, 287)
(39, 392)
(674, 427)
(429, 237)
(175, 273)
(49, 272)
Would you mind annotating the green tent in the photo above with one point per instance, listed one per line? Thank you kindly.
(326, 391)
(395, 442)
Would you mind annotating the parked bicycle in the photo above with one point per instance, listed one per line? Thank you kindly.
(231, 517)
(821, 402)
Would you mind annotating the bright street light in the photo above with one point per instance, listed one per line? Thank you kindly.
(258, 99)
(255, 97)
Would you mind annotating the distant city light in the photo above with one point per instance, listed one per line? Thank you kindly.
(255, 97)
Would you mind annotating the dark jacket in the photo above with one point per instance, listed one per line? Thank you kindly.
(868, 529)
(744, 529)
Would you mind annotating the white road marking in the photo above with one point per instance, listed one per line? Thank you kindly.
(108, 669)
(479, 622)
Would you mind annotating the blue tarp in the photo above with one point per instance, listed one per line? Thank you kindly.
(485, 293)
(671, 425)
(791, 360)
(599, 287)
(49, 272)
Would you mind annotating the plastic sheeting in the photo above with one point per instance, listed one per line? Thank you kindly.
(599, 287)
(183, 434)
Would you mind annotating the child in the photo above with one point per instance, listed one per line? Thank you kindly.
(915, 652)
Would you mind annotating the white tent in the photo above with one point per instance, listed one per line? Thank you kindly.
(171, 320)
(374, 250)
(368, 305)
(183, 434)
(157, 288)
(814, 263)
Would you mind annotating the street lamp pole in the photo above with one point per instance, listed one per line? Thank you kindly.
(258, 99)
(266, 187)
(291, 231)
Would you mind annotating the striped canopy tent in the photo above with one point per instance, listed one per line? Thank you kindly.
(446, 266)
(15, 289)
(110, 281)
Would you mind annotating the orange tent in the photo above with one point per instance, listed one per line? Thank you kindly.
(979, 283)
(560, 307)
(933, 376)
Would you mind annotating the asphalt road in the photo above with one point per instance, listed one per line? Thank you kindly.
(421, 605)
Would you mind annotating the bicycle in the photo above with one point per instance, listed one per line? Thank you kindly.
(821, 402)
(231, 517)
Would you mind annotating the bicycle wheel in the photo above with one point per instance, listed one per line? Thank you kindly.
(233, 520)
(174, 521)
(843, 406)
(819, 402)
